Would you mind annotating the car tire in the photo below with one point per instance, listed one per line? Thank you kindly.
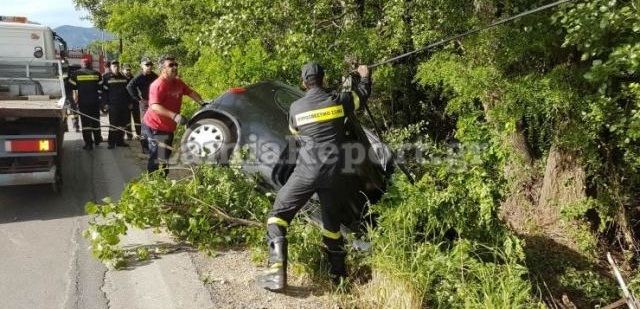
(208, 141)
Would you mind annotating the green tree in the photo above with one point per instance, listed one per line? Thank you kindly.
(553, 98)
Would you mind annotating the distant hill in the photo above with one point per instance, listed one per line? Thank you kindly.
(79, 37)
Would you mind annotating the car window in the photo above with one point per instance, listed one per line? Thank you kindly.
(284, 98)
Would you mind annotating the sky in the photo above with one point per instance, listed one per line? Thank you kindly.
(52, 13)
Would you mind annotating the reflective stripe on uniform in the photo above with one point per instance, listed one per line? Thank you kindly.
(330, 234)
(273, 270)
(116, 81)
(356, 100)
(320, 115)
(277, 221)
(82, 78)
(293, 131)
(72, 82)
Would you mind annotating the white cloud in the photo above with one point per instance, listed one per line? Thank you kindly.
(52, 13)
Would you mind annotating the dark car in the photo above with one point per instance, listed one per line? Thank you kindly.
(254, 120)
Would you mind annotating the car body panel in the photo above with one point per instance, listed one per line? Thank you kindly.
(259, 114)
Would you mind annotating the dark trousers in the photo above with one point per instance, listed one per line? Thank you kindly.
(295, 194)
(117, 118)
(143, 142)
(90, 127)
(135, 114)
(158, 153)
(75, 119)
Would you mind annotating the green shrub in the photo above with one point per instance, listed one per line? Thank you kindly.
(444, 238)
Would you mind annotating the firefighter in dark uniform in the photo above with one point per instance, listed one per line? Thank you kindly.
(68, 93)
(117, 100)
(318, 121)
(107, 69)
(133, 106)
(138, 88)
(87, 86)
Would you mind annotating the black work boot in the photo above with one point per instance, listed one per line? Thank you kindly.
(337, 266)
(275, 278)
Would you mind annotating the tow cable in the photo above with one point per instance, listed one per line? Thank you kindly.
(446, 40)
(470, 32)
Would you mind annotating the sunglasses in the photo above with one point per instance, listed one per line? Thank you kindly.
(148, 64)
(172, 65)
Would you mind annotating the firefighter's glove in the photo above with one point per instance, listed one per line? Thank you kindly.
(181, 120)
(363, 70)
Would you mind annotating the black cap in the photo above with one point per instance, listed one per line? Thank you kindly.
(312, 70)
(115, 61)
(165, 57)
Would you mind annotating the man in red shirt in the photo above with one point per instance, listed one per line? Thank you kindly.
(165, 102)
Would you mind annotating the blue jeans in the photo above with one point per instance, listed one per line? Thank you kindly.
(158, 154)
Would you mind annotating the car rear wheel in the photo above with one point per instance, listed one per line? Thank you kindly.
(208, 140)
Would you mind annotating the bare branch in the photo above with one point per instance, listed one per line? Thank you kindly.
(220, 213)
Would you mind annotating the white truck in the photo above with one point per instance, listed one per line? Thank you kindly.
(32, 101)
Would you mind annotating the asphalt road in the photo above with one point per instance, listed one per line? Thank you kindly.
(45, 262)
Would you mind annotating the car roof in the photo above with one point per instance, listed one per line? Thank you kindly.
(272, 84)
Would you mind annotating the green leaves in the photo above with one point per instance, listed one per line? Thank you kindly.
(567, 77)
(91, 208)
(154, 202)
(443, 235)
(215, 73)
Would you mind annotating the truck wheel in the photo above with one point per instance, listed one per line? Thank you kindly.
(56, 186)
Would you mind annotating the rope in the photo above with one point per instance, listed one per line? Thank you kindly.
(110, 126)
(455, 37)
(403, 168)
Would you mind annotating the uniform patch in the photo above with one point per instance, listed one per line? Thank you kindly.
(320, 115)
(86, 77)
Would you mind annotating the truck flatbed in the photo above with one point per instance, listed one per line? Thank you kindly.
(31, 108)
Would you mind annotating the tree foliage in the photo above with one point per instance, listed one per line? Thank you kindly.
(561, 80)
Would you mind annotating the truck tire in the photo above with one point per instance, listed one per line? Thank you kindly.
(56, 186)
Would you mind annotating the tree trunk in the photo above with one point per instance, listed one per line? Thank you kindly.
(564, 179)
(534, 206)
(516, 140)
(626, 234)
(486, 11)
(564, 183)
(519, 144)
